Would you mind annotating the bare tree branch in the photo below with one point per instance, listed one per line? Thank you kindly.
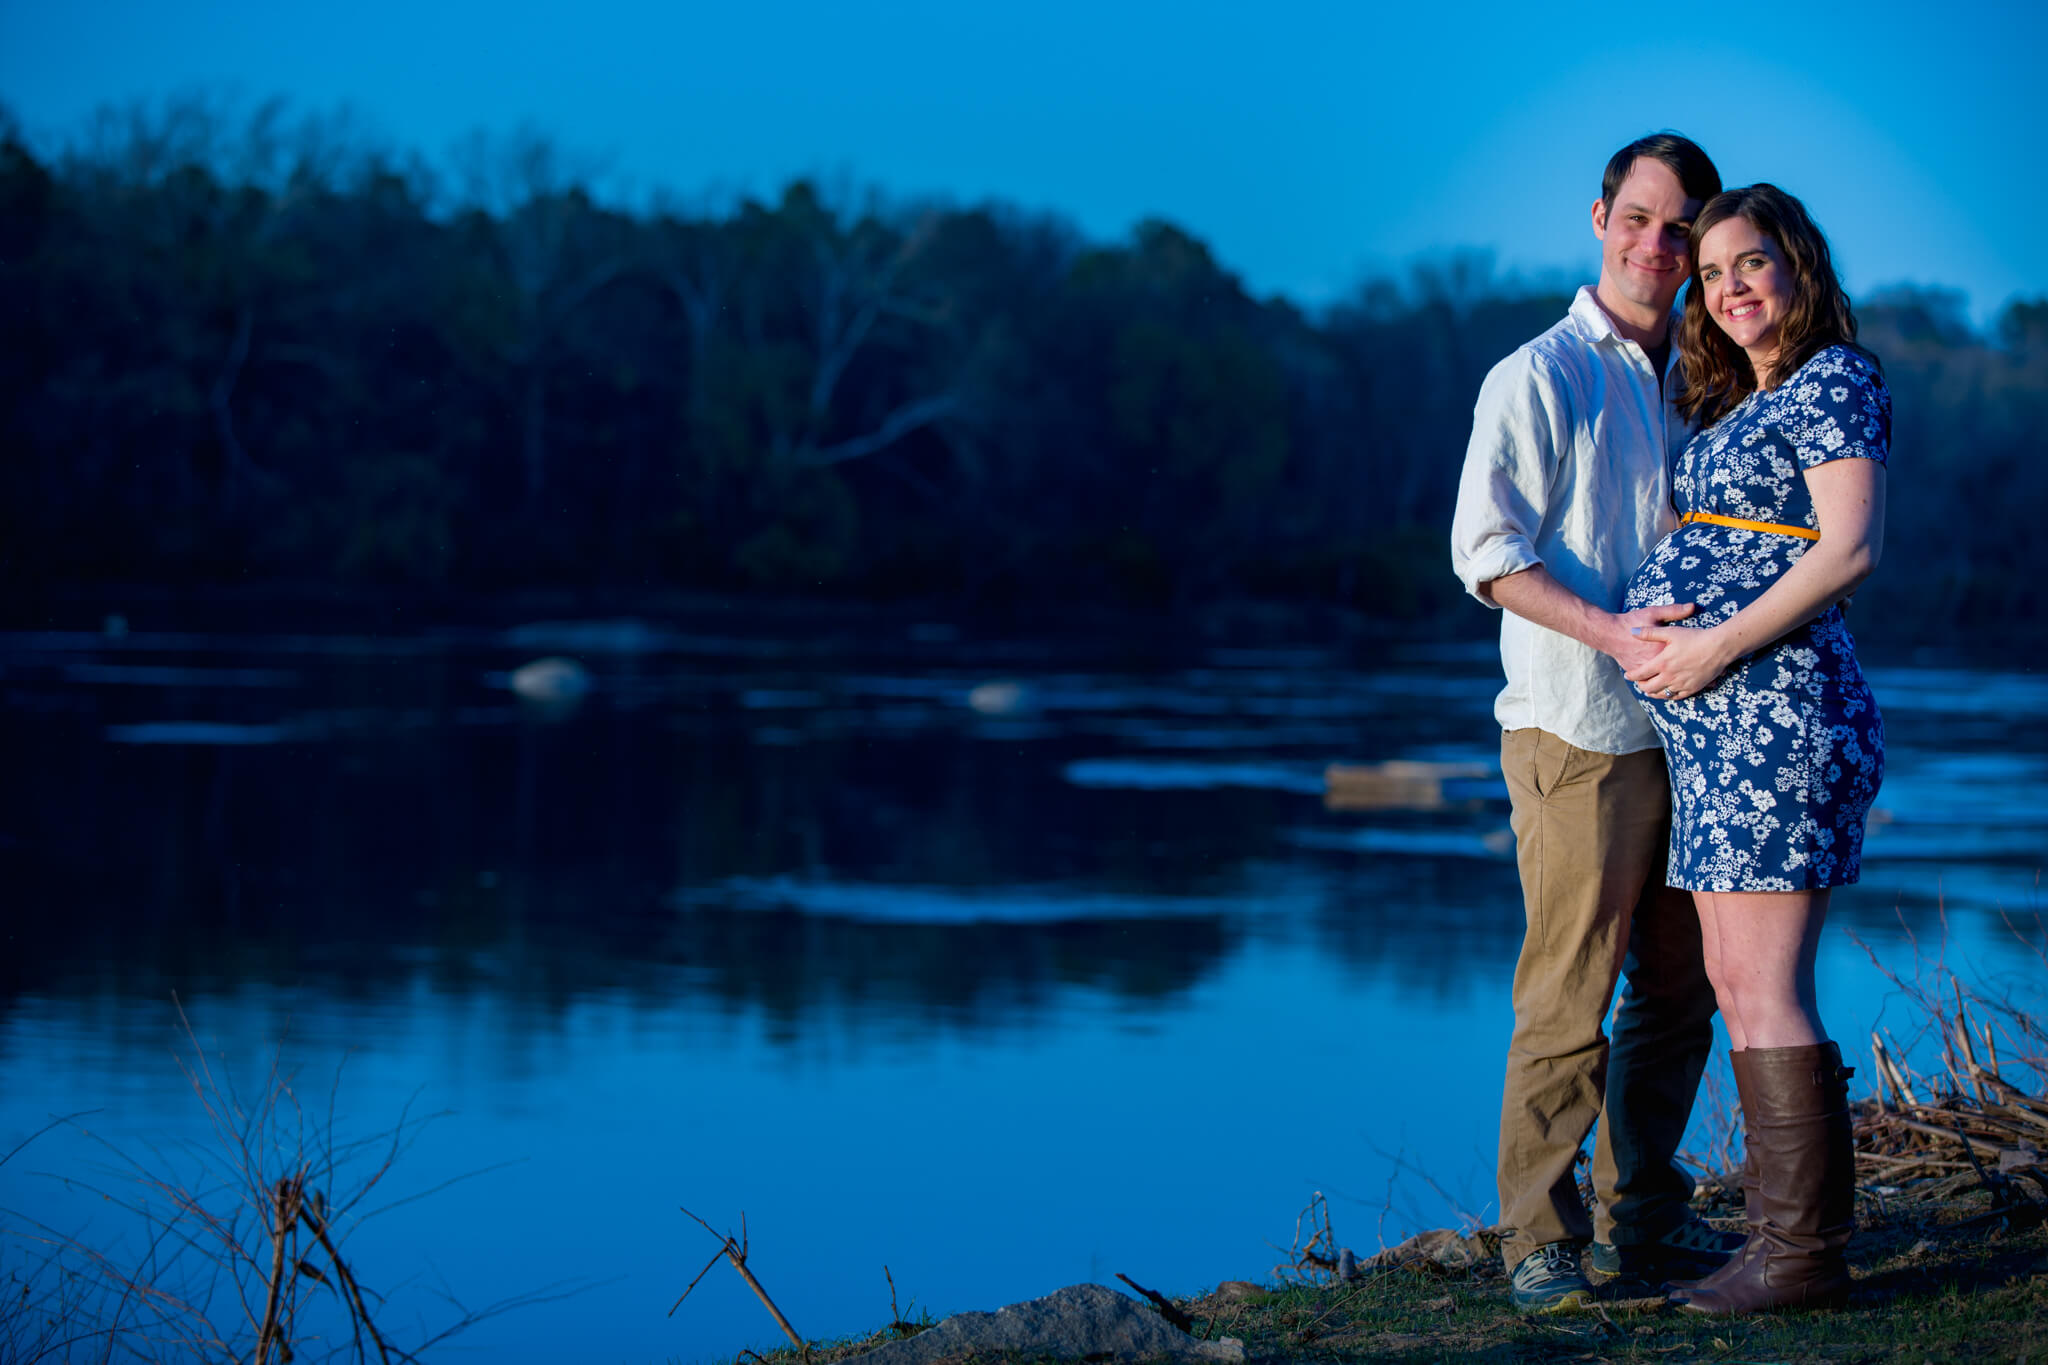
(904, 420)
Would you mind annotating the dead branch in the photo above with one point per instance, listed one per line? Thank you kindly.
(897, 1323)
(902, 422)
(53, 1123)
(284, 1217)
(1168, 1309)
(736, 1252)
(1315, 1261)
(238, 1232)
(357, 1311)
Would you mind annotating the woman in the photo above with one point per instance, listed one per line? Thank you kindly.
(1774, 742)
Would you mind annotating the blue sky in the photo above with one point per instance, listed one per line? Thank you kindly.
(1309, 144)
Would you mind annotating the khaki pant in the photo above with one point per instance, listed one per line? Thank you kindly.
(1590, 839)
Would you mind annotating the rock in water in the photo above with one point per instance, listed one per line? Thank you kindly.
(1003, 698)
(1082, 1321)
(552, 679)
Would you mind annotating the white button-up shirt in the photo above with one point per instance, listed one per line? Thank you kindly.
(1568, 467)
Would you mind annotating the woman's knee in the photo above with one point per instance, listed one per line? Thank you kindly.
(1776, 1018)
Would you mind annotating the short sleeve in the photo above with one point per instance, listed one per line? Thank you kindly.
(1838, 408)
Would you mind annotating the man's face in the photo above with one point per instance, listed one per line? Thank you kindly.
(1645, 246)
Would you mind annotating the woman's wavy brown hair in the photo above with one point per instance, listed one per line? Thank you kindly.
(1717, 373)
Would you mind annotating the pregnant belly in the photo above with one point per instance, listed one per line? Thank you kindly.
(1718, 569)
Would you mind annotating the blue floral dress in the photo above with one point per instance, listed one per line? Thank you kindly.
(1774, 767)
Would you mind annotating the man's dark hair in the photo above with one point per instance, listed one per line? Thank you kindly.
(1695, 171)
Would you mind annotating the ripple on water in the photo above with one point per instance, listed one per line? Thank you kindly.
(1176, 774)
(1016, 903)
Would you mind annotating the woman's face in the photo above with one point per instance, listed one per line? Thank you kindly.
(1747, 288)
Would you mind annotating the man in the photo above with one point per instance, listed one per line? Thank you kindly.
(1565, 490)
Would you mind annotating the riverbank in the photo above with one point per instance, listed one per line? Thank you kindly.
(1950, 1256)
(1947, 1276)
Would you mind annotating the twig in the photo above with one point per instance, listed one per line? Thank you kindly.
(284, 1205)
(736, 1252)
(53, 1123)
(348, 1282)
(1889, 1069)
(716, 1257)
(1968, 1053)
(1167, 1308)
(897, 1324)
(1935, 1130)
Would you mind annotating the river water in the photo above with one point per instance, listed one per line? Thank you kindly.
(1001, 964)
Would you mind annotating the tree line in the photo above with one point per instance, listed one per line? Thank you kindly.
(271, 351)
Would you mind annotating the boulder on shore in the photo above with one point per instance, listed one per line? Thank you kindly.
(1082, 1321)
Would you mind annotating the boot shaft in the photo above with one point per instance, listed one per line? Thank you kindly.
(1800, 1154)
(1801, 1130)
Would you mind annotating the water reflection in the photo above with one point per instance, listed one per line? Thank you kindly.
(853, 932)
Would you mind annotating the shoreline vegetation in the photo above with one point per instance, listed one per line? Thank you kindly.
(254, 346)
(238, 1244)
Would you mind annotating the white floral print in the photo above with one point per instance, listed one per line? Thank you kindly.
(1774, 767)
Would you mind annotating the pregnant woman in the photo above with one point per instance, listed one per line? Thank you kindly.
(1773, 740)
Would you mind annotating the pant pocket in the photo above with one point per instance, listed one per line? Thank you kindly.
(1551, 765)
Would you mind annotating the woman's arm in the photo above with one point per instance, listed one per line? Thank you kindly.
(1848, 502)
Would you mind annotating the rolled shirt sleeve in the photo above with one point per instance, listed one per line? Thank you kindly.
(1567, 468)
(1520, 424)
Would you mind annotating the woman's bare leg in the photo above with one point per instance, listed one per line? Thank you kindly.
(1706, 902)
(1763, 964)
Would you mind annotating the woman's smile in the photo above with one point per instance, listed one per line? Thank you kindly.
(1747, 286)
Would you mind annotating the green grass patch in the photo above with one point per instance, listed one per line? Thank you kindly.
(1934, 1281)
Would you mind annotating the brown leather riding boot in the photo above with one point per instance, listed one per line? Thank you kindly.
(1796, 1109)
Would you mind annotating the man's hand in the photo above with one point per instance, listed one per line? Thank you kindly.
(1638, 642)
(1684, 662)
(1534, 595)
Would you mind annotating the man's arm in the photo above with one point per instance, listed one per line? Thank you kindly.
(1534, 595)
(1520, 425)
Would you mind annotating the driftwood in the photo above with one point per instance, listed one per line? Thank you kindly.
(1395, 785)
(1973, 1117)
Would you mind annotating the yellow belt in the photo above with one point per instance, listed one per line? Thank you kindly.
(1770, 527)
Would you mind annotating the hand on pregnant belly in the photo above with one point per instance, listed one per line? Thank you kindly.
(1690, 661)
(1631, 650)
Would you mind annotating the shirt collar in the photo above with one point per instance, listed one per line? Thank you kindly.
(1591, 319)
(1593, 323)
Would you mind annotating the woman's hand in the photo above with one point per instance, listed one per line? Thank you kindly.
(1689, 663)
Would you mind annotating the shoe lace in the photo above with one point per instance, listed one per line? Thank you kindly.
(1556, 1260)
(1694, 1235)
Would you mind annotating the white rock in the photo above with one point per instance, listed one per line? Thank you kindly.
(1003, 697)
(551, 679)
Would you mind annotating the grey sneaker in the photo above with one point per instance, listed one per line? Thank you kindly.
(1549, 1281)
(1693, 1249)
